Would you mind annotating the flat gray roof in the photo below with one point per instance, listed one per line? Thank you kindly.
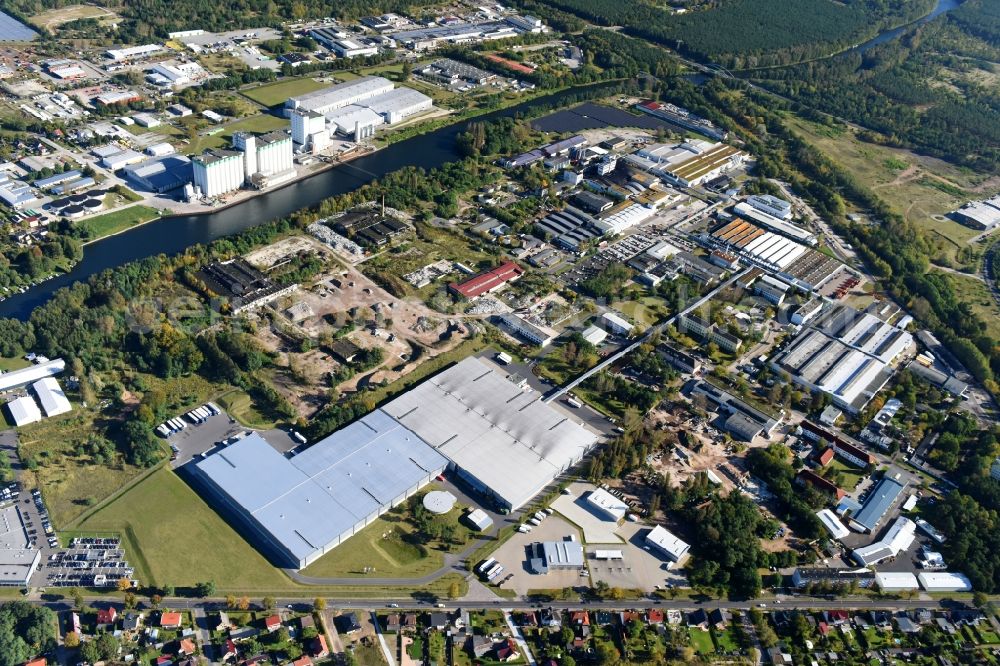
(311, 502)
(503, 436)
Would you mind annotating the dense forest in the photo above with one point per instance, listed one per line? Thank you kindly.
(155, 18)
(896, 90)
(752, 33)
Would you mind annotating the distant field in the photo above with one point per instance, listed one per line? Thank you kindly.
(119, 220)
(276, 93)
(974, 291)
(54, 18)
(923, 189)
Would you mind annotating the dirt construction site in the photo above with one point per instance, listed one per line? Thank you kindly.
(342, 298)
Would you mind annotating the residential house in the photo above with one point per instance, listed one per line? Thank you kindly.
(224, 623)
(307, 622)
(347, 623)
(319, 647)
(823, 459)
(603, 618)
(304, 660)
(720, 618)
(481, 646)
(170, 620)
(507, 650)
(392, 623)
(106, 615)
(551, 618)
(437, 621)
(132, 622)
(272, 623)
(243, 633)
(527, 619)
(654, 616)
(37, 661)
(229, 650)
(164, 660)
(837, 617)
(906, 625)
(628, 617)
(409, 622)
(698, 618)
(185, 647)
(580, 618)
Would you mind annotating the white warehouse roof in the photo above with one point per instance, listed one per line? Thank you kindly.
(9, 380)
(944, 581)
(607, 504)
(832, 524)
(500, 437)
(667, 543)
(304, 506)
(888, 581)
(24, 411)
(52, 397)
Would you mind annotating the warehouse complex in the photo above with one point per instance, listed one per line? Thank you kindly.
(300, 508)
(353, 108)
(504, 441)
(846, 354)
(470, 418)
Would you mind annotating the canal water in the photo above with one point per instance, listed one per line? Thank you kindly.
(172, 235)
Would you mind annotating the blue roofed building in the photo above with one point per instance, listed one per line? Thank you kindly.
(875, 508)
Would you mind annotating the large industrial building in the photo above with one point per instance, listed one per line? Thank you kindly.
(687, 164)
(302, 507)
(18, 560)
(875, 508)
(981, 215)
(897, 539)
(470, 418)
(354, 108)
(845, 353)
(502, 440)
(259, 160)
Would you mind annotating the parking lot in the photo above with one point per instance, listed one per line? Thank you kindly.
(90, 562)
(218, 431)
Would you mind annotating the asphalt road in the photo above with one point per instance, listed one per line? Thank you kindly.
(408, 603)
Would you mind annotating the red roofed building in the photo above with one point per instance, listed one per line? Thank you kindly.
(230, 650)
(654, 616)
(37, 661)
(186, 647)
(846, 450)
(825, 458)
(489, 281)
(512, 65)
(304, 660)
(819, 483)
(272, 623)
(319, 648)
(580, 618)
(106, 615)
(170, 620)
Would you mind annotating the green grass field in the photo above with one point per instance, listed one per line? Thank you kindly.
(173, 537)
(70, 482)
(119, 220)
(851, 475)
(259, 123)
(387, 546)
(239, 405)
(701, 641)
(276, 93)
